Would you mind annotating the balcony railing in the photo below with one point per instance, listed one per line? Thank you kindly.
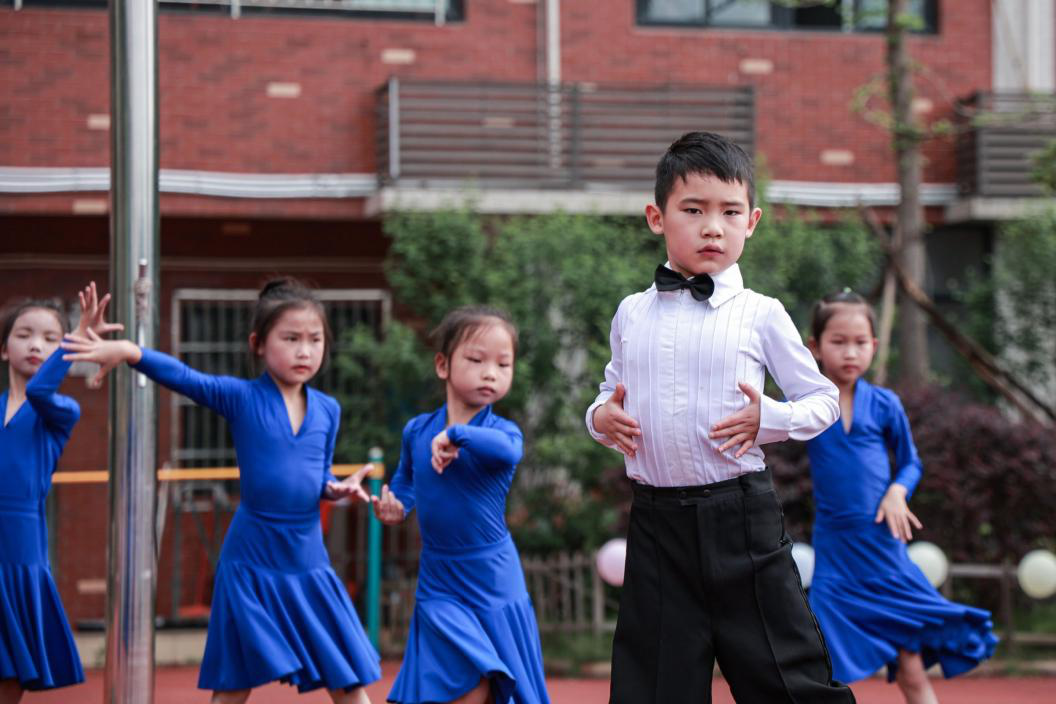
(439, 11)
(577, 136)
(998, 143)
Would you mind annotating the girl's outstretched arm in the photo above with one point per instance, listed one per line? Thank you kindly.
(899, 437)
(59, 412)
(399, 492)
(908, 470)
(502, 447)
(218, 393)
(90, 347)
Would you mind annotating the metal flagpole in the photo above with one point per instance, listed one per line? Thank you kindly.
(376, 478)
(134, 249)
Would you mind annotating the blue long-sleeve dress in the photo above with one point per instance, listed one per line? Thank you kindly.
(279, 612)
(869, 598)
(473, 617)
(36, 645)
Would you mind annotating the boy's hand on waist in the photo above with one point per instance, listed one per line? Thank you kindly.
(893, 509)
(614, 423)
(741, 428)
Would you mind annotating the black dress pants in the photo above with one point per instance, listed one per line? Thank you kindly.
(710, 576)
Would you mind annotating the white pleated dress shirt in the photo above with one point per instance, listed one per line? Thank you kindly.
(680, 360)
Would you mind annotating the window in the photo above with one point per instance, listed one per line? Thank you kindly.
(834, 15)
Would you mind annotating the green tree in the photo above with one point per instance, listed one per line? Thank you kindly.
(561, 277)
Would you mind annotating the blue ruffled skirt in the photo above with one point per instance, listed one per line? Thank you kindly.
(871, 601)
(279, 612)
(472, 619)
(36, 645)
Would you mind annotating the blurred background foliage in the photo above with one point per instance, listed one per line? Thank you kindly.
(561, 277)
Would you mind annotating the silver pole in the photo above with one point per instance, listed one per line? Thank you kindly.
(134, 248)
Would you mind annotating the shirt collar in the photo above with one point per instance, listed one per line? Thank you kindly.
(728, 283)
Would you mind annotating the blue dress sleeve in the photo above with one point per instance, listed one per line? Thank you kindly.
(908, 467)
(402, 482)
(59, 412)
(222, 394)
(331, 444)
(497, 446)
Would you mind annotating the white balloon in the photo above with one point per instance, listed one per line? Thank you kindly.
(931, 560)
(1037, 574)
(803, 554)
(611, 560)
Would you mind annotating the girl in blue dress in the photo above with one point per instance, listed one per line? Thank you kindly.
(279, 611)
(473, 636)
(36, 646)
(874, 605)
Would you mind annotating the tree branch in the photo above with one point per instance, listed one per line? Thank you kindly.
(986, 367)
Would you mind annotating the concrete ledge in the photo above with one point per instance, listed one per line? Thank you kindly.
(180, 646)
(979, 209)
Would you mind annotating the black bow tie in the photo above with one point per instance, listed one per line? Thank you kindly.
(701, 286)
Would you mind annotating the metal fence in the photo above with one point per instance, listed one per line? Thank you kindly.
(1000, 137)
(581, 135)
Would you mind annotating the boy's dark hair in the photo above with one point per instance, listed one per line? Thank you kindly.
(278, 296)
(828, 306)
(13, 310)
(703, 153)
(462, 322)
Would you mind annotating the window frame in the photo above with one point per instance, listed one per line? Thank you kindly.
(782, 19)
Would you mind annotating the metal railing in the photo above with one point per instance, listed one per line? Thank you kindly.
(439, 10)
(527, 135)
(1001, 135)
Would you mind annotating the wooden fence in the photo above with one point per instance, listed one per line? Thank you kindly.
(568, 595)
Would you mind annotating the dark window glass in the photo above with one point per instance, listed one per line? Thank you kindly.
(818, 17)
(836, 15)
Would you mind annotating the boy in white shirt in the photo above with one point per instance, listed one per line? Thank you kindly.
(709, 569)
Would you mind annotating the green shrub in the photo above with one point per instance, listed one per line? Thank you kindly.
(561, 277)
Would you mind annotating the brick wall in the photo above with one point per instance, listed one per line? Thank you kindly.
(215, 72)
(803, 102)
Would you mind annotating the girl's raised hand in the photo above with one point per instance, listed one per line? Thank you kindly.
(387, 507)
(893, 509)
(106, 353)
(93, 313)
(444, 451)
(350, 486)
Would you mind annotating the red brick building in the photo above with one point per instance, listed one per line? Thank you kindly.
(288, 128)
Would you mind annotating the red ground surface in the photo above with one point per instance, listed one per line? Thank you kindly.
(177, 686)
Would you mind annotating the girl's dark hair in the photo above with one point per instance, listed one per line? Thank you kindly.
(13, 310)
(278, 296)
(463, 322)
(830, 305)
